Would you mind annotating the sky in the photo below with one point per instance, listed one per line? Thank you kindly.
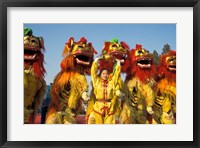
(150, 36)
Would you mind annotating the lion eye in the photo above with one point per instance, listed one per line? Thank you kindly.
(33, 41)
(80, 46)
(171, 59)
(114, 46)
(140, 51)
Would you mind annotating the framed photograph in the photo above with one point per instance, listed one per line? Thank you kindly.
(153, 27)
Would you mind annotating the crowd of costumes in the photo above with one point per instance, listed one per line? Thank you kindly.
(146, 96)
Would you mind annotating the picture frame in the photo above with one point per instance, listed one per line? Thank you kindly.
(100, 3)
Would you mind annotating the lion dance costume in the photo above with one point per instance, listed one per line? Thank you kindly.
(165, 103)
(70, 85)
(139, 84)
(34, 83)
(104, 109)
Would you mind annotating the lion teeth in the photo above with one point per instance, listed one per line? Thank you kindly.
(144, 65)
(34, 56)
(82, 62)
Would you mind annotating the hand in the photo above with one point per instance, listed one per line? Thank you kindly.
(118, 93)
(119, 61)
(98, 58)
(168, 116)
(85, 96)
(150, 110)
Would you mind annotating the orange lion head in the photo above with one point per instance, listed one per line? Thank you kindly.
(33, 52)
(167, 66)
(113, 50)
(78, 56)
(141, 64)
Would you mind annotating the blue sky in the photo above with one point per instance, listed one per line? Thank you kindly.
(151, 36)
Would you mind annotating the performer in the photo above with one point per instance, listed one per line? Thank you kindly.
(139, 84)
(34, 71)
(70, 85)
(165, 103)
(104, 90)
(111, 51)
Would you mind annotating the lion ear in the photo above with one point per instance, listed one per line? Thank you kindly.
(125, 45)
(90, 45)
(106, 47)
(41, 42)
(68, 46)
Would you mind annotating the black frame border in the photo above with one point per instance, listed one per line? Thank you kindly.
(4, 4)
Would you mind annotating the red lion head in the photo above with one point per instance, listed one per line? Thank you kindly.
(141, 64)
(113, 50)
(167, 66)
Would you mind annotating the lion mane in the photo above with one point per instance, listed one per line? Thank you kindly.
(163, 67)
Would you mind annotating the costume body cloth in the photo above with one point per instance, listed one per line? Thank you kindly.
(34, 91)
(142, 97)
(103, 110)
(69, 99)
(165, 103)
(34, 72)
(69, 89)
(139, 88)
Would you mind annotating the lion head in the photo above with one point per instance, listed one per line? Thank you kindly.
(78, 56)
(141, 63)
(114, 50)
(167, 65)
(33, 52)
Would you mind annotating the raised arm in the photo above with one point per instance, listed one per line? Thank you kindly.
(116, 73)
(94, 71)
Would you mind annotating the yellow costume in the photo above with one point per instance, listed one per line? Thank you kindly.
(69, 99)
(34, 83)
(111, 51)
(141, 96)
(165, 103)
(139, 85)
(70, 86)
(104, 91)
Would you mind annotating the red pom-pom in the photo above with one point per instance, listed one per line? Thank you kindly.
(138, 46)
(83, 40)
